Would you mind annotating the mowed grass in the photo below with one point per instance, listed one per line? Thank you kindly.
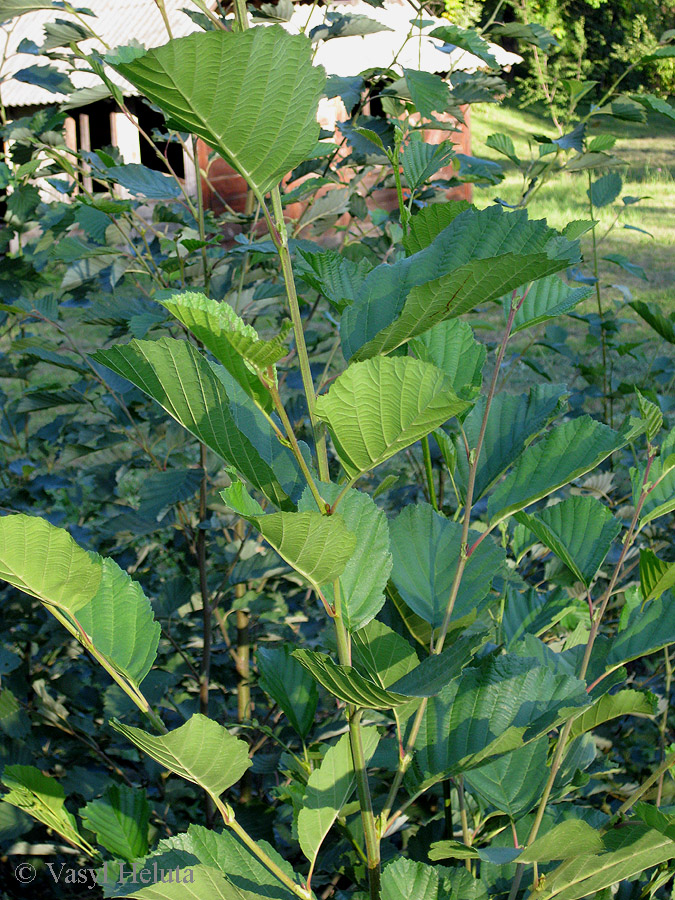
(648, 155)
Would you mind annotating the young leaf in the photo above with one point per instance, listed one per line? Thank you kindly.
(579, 530)
(190, 389)
(656, 576)
(451, 347)
(610, 706)
(233, 343)
(252, 96)
(348, 685)
(565, 453)
(328, 789)
(96, 596)
(335, 276)
(421, 160)
(652, 315)
(503, 144)
(289, 685)
(120, 821)
(381, 406)
(547, 298)
(200, 751)
(317, 546)
(514, 782)
(426, 549)
(651, 416)
(43, 798)
(661, 497)
(364, 579)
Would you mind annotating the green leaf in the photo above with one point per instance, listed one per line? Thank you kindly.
(624, 263)
(466, 39)
(428, 91)
(317, 546)
(656, 104)
(253, 96)
(328, 789)
(547, 298)
(348, 685)
(191, 390)
(382, 653)
(652, 315)
(513, 783)
(120, 821)
(120, 622)
(49, 78)
(656, 576)
(289, 685)
(13, 720)
(45, 562)
(364, 579)
(139, 179)
(494, 707)
(529, 612)
(11, 8)
(437, 670)
(451, 347)
(408, 879)
(428, 223)
(611, 706)
(532, 33)
(661, 497)
(651, 416)
(426, 549)
(645, 631)
(378, 407)
(244, 877)
(421, 160)
(628, 852)
(103, 604)
(578, 227)
(479, 256)
(605, 189)
(335, 276)
(503, 144)
(233, 343)
(200, 751)
(565, 453)
(43, 798)
(579, 530)
(520, 417)
(571, 838)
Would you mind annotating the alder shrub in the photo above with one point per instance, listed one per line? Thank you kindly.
(433, 704)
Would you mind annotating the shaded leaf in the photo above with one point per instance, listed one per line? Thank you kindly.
(120, 821)
(610, 706)
(289, 685)
(547, 298)
(348, 685)
(579, 530)
(452, 347)
(656, 575)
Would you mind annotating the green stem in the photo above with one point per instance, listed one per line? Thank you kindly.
(131, 691)
(598, 297)
(230, 821)
(303, 357)
(363, 791)
(428, 468)
(663, 728)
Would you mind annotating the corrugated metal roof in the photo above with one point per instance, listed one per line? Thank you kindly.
(120, 21)
(117, 23)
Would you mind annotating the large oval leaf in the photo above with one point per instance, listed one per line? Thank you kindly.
(378, 407)
(253, 96)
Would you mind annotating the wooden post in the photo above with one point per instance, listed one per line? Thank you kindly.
(85, 144)
(70, 133)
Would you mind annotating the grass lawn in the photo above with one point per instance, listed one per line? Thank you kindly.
(649, 154)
